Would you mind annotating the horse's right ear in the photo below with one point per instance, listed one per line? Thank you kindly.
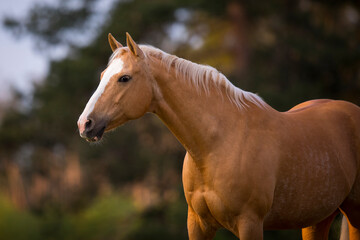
(134, 48)
(113, 43)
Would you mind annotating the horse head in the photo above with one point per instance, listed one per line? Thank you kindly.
(124, 93)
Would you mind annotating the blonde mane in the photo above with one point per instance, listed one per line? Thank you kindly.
(201, 76)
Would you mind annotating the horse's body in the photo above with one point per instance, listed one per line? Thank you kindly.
(293, 169)
(248, 167)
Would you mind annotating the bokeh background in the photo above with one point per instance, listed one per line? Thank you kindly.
(54, 185)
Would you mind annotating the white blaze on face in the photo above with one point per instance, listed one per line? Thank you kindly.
(114, 68)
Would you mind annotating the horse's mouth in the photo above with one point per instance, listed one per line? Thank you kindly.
(98, 135)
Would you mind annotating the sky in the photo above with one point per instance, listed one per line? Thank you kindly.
(21, 63)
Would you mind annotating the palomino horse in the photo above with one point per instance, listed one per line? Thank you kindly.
(248, 167)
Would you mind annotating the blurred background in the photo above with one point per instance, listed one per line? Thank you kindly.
(54, 185)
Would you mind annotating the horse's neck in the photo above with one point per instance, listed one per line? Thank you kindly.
(198, 119)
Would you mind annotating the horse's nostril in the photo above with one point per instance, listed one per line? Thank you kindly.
(89, 124)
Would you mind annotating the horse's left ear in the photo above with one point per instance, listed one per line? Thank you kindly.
(113, 43)
(134, 48)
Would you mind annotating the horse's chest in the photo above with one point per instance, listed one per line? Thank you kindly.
(208, 206)
(202, 198)
(197, 201)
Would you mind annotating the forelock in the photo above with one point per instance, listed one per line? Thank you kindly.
(116, 54)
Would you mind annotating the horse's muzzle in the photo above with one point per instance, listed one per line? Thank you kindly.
(92, 130)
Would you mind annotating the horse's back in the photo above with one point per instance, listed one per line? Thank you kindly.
(333, 116)
(340, 121)
(333, 113)
(308, 104)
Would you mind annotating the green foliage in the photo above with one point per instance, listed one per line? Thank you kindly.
(17, 225)
(48, 23)
(165, 221)
(57, 225)
(112, 217)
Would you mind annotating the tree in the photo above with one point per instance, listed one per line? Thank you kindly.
(286, 51)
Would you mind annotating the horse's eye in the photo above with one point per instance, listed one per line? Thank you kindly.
(124, 78)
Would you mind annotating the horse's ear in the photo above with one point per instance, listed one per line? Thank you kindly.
(113, 43)
(134, 48)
